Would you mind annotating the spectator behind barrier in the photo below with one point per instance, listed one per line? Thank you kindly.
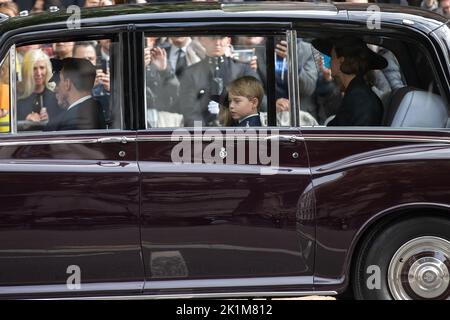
(37, 102)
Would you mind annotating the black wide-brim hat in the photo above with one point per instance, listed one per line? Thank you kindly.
(353, 45)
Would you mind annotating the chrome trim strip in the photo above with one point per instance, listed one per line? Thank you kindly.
(373, 138)
(46, 142)
(224, 295)
(118, 139)
(156, 284)
(202, 168)
(224, 137)
(12, 89)
(88, 288)
(293, 88)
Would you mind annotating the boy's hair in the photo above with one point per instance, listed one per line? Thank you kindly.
(248, 87)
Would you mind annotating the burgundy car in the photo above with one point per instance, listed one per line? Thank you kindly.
(174, 197)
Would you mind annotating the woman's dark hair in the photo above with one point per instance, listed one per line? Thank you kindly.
(356, 59)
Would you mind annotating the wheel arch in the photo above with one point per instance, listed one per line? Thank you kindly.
(385, 218)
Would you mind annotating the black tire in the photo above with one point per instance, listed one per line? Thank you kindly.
(380, 246)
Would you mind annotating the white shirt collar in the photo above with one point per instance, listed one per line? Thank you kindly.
(105, 56)
(245, 118)
(79, 101)
(173, 56)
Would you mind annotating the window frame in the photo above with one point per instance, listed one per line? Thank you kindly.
(115, 33)
(201, 29)
(2, 62)
(403, 34)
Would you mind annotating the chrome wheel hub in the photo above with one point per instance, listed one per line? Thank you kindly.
(420, 269)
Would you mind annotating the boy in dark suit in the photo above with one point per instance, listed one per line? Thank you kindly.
(244, 96)
(202, 81)
(75, 79)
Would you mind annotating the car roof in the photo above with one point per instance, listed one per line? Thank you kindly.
(211, 11)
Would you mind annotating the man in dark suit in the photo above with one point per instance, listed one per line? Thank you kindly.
(203, 82)
(75, 80)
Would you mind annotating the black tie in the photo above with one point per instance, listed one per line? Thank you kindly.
(181, 62)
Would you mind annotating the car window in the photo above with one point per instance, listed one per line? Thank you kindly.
(397, 89)
(213, 81)
(64, 86)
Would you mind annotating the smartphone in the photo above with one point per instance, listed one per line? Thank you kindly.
(326, 61)
(104, 66)
(243, 55)
(37, 104)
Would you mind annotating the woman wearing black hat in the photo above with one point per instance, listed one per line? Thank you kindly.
(351, 59)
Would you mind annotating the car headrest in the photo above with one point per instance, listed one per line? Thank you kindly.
(410, 107)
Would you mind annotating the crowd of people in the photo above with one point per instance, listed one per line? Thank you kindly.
(211, 86)
(43, 99)
(196, 79)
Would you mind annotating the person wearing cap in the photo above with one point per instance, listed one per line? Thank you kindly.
(203, 82)
(74, 80)
(351, 59)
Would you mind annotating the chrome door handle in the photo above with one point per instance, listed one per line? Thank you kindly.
(285, 138)
(109, 164)
(113, 140)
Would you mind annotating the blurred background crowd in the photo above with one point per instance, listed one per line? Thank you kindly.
(14, 7)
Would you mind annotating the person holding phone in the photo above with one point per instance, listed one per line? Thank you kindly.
(307, 76)
(37, 102)
(87, 50)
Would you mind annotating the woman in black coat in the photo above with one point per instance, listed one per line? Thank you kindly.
(37, 102)
(351, 59)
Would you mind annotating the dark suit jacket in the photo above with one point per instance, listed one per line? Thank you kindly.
(84, 116)
(25, 106)
(253, 121)
(360, 106)
(196, 87)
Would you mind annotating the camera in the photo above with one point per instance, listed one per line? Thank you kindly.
(243, 55)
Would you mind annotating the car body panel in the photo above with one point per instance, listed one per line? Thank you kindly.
(141, 224)
(359, 176)
(69, 201)
(213, 221)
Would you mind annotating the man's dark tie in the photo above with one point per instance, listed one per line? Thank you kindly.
(181, 62)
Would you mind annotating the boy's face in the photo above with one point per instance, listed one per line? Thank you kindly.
(241, 106)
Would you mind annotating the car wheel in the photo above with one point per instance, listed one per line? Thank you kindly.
(406, 260)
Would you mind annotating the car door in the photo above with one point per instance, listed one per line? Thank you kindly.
(226, 207)
(69, 218)
(364, 176)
